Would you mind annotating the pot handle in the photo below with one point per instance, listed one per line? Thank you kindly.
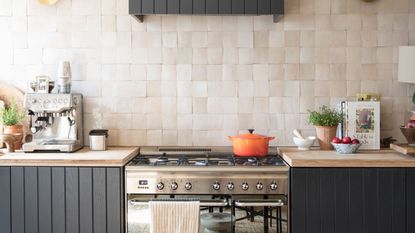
(271, 138)
(230, 138)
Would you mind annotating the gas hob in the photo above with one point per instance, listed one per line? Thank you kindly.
(189, 170)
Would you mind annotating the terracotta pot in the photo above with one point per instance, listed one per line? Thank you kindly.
(324, 136)
(16, 130)
(250, 144)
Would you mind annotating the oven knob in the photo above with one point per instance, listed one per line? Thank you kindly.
(230, 186)
(216, 186)
(245, 186)
(160, 186)
(273, 186)
(174, 186)
(259, 186)
(188, 186)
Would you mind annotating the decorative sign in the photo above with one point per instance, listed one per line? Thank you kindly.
(363, 123)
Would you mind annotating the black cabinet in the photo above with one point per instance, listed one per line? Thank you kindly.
(61, 199)
(138, 8)
(358, 200)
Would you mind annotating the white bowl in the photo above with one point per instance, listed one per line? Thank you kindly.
(304, 144)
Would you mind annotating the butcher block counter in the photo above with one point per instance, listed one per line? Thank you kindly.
(113, 157)
(319, 158)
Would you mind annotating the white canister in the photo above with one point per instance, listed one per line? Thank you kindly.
(64, 70)
(64, 85)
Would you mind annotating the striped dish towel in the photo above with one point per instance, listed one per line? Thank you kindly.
(173, 216)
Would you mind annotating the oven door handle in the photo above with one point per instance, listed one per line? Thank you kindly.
(254, 202)
(203, 203)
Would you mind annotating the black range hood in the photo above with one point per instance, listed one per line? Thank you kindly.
(139, 8)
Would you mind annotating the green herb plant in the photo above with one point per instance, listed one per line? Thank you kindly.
(325, 117)
(11, 115)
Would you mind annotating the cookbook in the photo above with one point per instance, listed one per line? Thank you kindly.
(363, 123)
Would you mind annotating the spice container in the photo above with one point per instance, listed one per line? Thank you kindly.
(98, 139)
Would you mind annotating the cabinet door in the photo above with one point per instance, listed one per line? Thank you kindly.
(251, 6)
(61, 200)
(212, 6)
(160, 6)
(358, 200)
(199, 6)
(225, 6)
(238, 6)
(134, 6)
(147, 6)
(173, 6)
(186, 6)
(264, 6)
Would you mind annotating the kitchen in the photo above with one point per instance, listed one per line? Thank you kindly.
(181, 80)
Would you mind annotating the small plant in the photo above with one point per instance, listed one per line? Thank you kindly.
(11, 115)
(325, 117)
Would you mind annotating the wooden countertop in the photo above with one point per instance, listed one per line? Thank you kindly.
(113, 157)
(319, 158)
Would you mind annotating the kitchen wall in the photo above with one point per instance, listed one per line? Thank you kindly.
(181, 80)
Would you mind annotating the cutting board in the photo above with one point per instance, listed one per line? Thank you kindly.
(403, 148)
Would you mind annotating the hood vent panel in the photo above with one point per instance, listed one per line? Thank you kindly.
(139, 8)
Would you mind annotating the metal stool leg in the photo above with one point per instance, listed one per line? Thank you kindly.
(266, 226)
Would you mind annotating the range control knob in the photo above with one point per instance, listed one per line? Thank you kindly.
(259, 186)
(230, 186)
(245, 186)
(273, 186)
(188, 186)
(160, 186)
(216, 185)
(174, 186)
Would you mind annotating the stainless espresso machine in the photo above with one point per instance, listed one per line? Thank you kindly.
(55, 121)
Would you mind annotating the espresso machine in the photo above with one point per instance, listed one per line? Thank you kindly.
(55, 122)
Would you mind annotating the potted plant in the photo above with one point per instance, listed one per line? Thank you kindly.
(326, 121)
(11, 117)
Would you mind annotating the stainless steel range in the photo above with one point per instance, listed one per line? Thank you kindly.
(214, 176)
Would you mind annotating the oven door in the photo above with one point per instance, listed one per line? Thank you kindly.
(224, 213)
(138, 212)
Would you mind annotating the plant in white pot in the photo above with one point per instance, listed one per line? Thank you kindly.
(326, 121)
(11, 118)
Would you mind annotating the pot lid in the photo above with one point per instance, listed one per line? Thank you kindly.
(251, 135)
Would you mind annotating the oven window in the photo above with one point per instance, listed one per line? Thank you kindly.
(247, 219)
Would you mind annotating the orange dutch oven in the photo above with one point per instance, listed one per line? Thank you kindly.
(250, 144)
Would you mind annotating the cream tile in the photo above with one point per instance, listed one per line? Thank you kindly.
(261, 88)
(230, 56)
(291, 88)
(260, 72)
(245, 104)
(246, 55)
(292, 55)
(229, 72)
(261, 105)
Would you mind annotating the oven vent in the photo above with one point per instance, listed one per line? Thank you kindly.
(166, 149)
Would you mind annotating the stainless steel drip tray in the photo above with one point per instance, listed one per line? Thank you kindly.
(52, 145)
(56, 142)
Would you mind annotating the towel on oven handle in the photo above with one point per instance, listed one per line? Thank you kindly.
(174, 215)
